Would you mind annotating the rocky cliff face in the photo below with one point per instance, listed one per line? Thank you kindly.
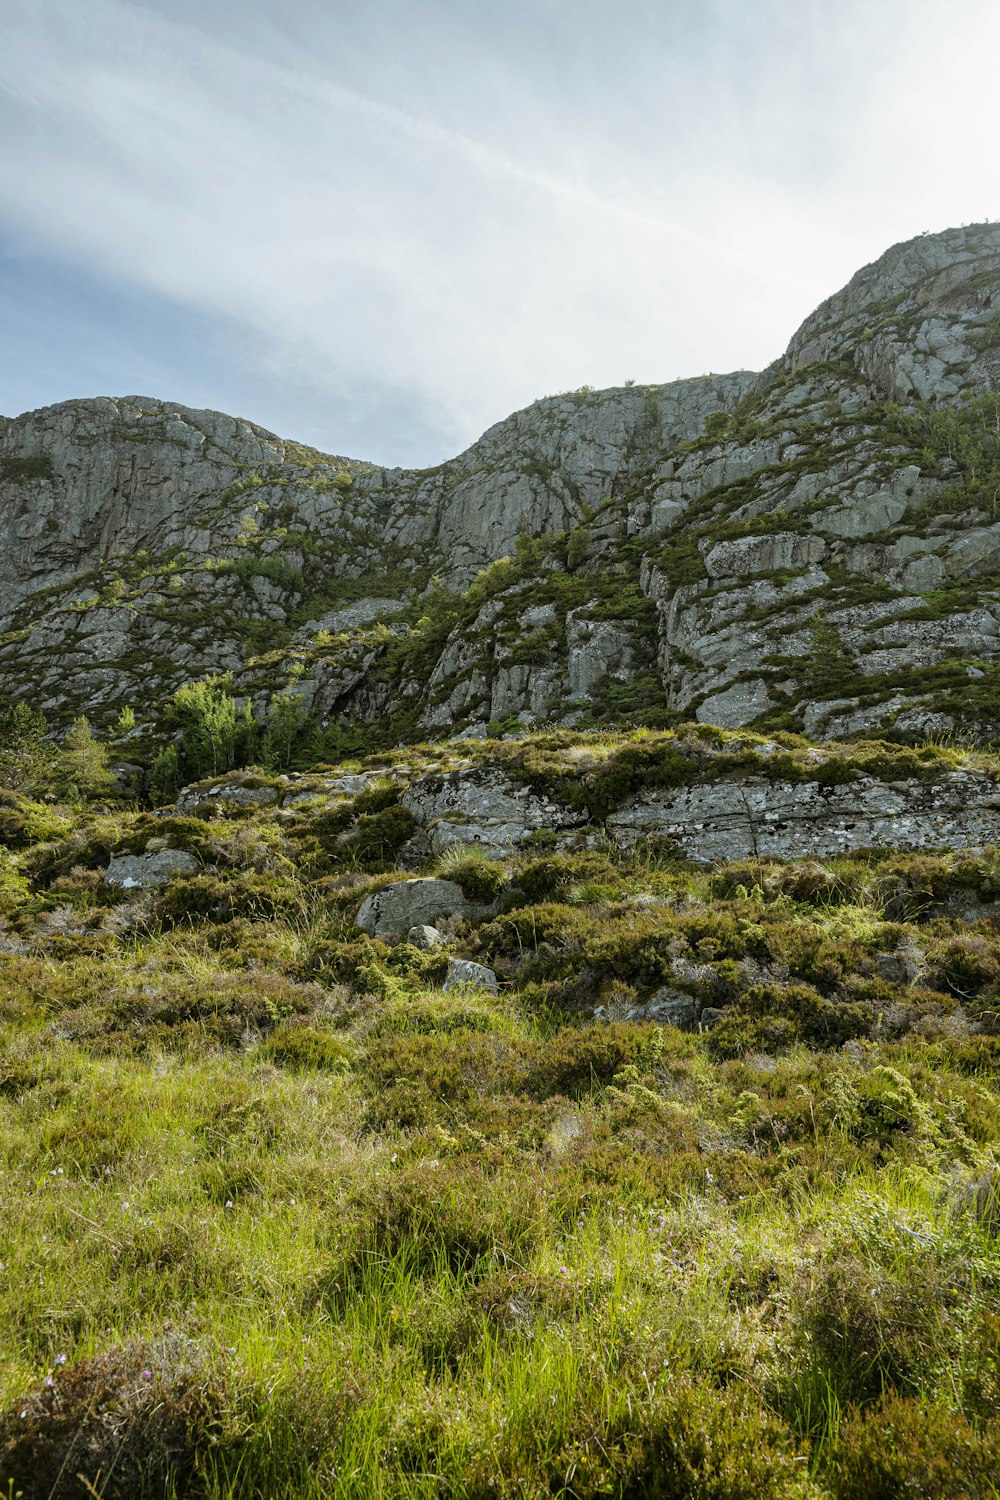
(816, 547)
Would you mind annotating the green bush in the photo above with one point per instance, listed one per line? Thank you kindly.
(904, 1446)
(548, 879)
(435, 1214)
(483, 880)
(871, 1327)
(378, 838)
(307, 1049)
(968, 966)
(224, 899)
(772, 1017)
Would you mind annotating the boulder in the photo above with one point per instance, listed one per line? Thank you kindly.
(190, 798)
(596, 649)
(395, 909)
(424, 936)
(463, 974)
(738, 705)
(890, 967)
(140, 872)
(668, 1007)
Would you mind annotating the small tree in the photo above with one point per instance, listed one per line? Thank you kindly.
(82, 766)
(286, 718)
(165, 776)
(25, 757)
(215, 733)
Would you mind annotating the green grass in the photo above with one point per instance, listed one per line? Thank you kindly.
(281, 1217)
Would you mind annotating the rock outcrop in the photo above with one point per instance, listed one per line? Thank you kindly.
(816, 547)
(756, 818)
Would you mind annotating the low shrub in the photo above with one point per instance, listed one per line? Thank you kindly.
(136, 1420)
(434, 1213)
(377, 838)
(968, 966)
(869, 1327)
(306, 1049)
(482, 879)
(904, 1446)
(772, 1017)
(220, 899)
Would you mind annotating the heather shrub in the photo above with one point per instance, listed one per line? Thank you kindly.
(481, 878)
(136, 1420)
(432, 1213)
(377, 838)
(772, 1017)
(968, 966)
(871, 1327)
(904, 1446)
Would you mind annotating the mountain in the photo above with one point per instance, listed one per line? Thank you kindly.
(602, 1109)
(815, 547)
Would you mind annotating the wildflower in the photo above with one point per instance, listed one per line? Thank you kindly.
(147, 1374)
(229, 1202)
(60, 1359)
(564, 1270)
(48, 1381)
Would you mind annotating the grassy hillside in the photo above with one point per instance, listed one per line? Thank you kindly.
(283, 1217)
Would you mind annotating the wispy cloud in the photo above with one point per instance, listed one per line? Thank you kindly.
(427, 208)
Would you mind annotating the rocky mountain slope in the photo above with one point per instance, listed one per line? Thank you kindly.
(390, 1107)
(815, 548)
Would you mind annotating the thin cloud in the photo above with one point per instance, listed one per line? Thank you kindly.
(429, 210)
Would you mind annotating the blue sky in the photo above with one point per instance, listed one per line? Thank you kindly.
(379, 228)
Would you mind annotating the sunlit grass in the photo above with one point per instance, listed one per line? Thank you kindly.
(284, 1217)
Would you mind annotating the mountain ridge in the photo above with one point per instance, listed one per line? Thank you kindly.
(810, 547)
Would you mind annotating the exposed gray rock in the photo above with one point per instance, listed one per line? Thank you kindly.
(463, 974)
(763, 554)
(840, 717)
(736, 706)
(740, 819)
(668, 1007)
(395, 909)
(874, 514)
(145, 544)
(597, 649)
(140, 872)
(191, 798)
(352, 616)
(424, 937)
(483, 808)
(890, 967)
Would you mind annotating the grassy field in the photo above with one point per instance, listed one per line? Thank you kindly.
(281, 1217)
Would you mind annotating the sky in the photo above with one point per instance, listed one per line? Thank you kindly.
(379, 227)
